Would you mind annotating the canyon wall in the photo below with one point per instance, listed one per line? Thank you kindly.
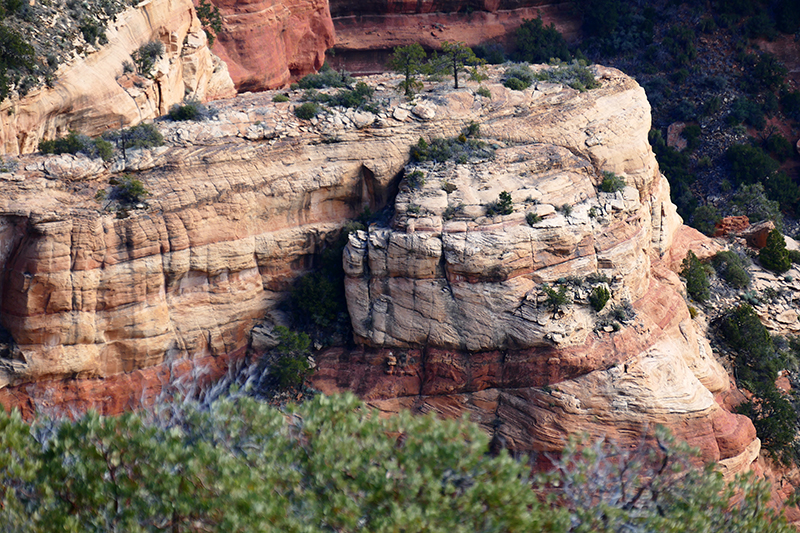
(268, 43)
(366, 32)
(446, 302)
(92, 93)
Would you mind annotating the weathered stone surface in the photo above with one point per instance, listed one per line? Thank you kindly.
(449, 310)
(91, 95)
(729, 225)
(268, 43)
(756, 235)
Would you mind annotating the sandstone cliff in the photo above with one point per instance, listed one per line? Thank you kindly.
(91, 95)
(448, 309)
(268, 43)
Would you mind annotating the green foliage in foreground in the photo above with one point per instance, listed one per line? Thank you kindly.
(328, 465)
(333, 465)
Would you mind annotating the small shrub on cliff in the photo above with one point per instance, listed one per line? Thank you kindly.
(774, 255)
(556, 300)
(145, 57)
(532, 218)
(612, 182)
(127, 190)
(598, 298)
(279, 98)
(326, 77)
(459, 149)
(503, 206)
(518, 77)
(696, 276)
(729, 267)
(139, 136)
(211, 19)
(77, 142)
(307, 110)
(577, 75)
(191, 109)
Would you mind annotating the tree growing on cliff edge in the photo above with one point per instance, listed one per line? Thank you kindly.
(408, 60)
(458, 56)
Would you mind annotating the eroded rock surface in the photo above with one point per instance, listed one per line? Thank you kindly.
(267, 43)
(447, 305)
(92, 94)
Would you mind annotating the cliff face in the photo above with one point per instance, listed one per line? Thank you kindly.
(459, 296)
(366, 32)
(448, 308)
(268, 43)
(91, 94)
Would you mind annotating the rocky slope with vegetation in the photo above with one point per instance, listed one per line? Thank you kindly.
(124, 66)
(200, 239)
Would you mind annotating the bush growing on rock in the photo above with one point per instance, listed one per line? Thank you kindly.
(729, 267)
(190, 110)
(292, 367)
(774, 256)
(145, 57)
(556, 300)
(599, 297)
(611, 182)
(139, 136)
(532, 218)
(307, 111)
(460, 149)
(694, 272)
(503, 206)
(279, 98)
(327, 77)
(757, 362)
(76, 142)
(576, 74)
(518, 77)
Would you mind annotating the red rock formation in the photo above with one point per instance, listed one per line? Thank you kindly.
(268, 43)
(730, 225)
(239, 205)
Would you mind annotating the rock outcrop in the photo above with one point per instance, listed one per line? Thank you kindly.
(447, 304)
(268, 43)
(91, 94)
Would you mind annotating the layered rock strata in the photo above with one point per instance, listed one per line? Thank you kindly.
(92, 93)
(268, 43)
(446, 303)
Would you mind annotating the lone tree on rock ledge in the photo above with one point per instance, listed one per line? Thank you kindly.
(408, 60)
(458, 56)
